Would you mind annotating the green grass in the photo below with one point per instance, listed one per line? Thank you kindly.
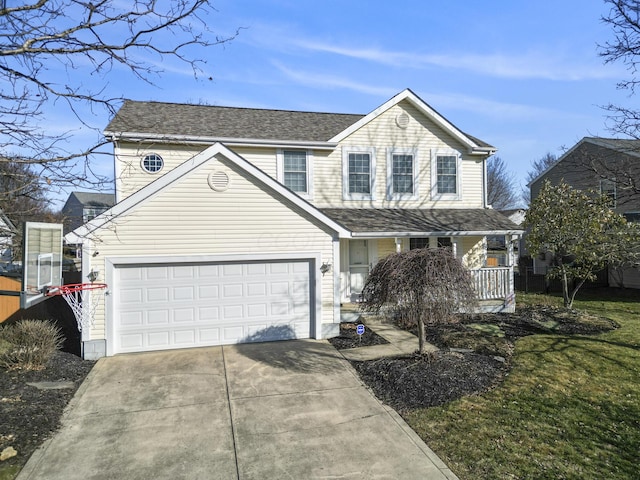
(570, 408)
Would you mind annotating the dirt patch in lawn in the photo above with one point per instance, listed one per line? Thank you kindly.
(29, 415)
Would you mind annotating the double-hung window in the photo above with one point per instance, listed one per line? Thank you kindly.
(402, 179)
(608, 189)
(445, 172)
(294, 171)
(358, 173)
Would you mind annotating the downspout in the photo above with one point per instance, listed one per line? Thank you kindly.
(484, 183)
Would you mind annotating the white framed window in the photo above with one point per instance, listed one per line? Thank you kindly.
(446, 180)
(89, 213)
(358, 173)
(152, 163)
(402, 174)
(608, 189)
(295, 169)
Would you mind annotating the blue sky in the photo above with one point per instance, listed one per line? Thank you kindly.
(523, 76)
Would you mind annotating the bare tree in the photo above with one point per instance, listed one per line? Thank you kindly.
(501, 189)
(624, 20)
(538, 167)
(422, 286)
(61, 54)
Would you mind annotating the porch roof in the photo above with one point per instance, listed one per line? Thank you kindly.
(387, 222)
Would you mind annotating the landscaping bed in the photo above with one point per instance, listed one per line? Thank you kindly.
(475, 355)
(29, 415)
(349, 338)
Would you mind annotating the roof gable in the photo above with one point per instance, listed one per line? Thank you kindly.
(94, 199)
(210, 124)
(474, 145)
(625, 146)
(149, 191)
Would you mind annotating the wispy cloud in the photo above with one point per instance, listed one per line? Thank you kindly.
(492, 108)
(326, 81)
(525, 65)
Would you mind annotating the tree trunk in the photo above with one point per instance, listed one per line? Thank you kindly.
(565, 289)
(421, 335)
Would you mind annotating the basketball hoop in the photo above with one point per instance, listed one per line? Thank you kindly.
(77, 295)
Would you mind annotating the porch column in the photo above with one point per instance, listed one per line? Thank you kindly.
(509, 243)
(398, 244)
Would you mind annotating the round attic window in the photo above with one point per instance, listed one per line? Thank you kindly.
(152, 163)
(402, 120)
(218, 181)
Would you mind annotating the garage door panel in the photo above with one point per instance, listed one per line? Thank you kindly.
(175, 306)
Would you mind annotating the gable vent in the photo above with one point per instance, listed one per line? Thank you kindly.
(218, 181)
(402, 120)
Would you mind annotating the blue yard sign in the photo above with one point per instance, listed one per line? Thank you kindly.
(360, 329)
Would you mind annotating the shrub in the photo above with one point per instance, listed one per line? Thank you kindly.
(29, 344)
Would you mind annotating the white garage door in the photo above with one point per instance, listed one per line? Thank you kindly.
(159, 307)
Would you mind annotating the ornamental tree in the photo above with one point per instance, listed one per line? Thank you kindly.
(422, 286)
(580, 232)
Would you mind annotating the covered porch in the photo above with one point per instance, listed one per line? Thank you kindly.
(377, 233)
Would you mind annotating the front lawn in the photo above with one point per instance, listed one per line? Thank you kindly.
(569, 408)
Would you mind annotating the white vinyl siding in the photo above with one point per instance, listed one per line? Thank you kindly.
(189, 218)
(383, 134)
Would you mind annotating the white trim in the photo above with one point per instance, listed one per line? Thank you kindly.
(479, 233)
(435, 153)
(221, 153)
(203, 140)
(337, 299)
(112, 263)
(615, 189)
(473, 148)
(346, 150)
(308, 195)
(391, 151)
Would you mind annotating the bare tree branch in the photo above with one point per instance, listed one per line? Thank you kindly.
(58, 54)
(501, 190)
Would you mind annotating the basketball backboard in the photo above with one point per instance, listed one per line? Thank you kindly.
(41, 261)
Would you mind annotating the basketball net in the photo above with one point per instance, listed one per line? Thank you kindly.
(81, 301)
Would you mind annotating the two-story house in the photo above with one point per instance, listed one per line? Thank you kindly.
(82, 207)
(240, 224)
(608, 166)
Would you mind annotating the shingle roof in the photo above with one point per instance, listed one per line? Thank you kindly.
(95, 199)
(370, 220)
(173, 119)
(621, 144)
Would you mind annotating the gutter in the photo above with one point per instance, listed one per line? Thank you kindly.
(435, 234)
(236, 142)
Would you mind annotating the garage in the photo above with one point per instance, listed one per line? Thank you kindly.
(181, 305)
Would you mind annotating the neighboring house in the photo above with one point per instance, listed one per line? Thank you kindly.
(238, 224)
(498, 251)
(7, 232)
(82, 207)
(606, 165)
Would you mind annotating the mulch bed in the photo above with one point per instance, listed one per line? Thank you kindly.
(418, 381)
(470, 361)
(349, 338)
(28, 415)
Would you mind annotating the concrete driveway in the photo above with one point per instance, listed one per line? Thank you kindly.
(280, 410)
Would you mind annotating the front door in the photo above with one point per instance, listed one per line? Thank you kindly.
(358, 266)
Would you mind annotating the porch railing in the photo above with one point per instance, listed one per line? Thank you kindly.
(494, 283)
